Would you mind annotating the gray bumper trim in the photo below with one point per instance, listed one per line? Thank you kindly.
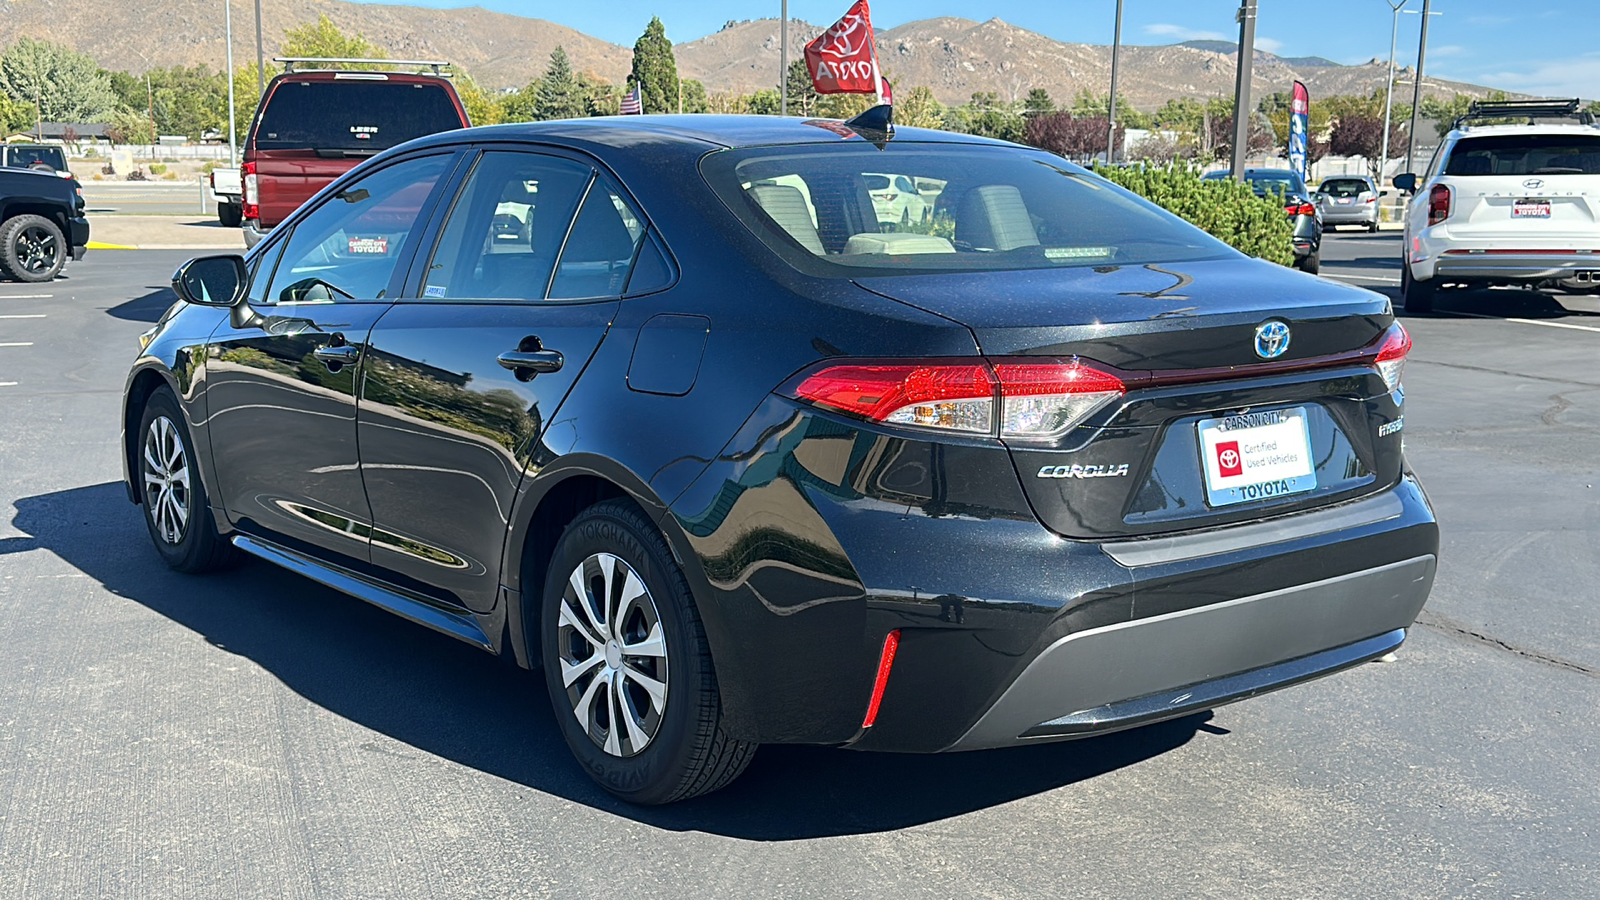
(1509, 265)
(1109, 671)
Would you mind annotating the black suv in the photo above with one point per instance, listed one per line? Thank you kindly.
(41, 223)
(656, 405)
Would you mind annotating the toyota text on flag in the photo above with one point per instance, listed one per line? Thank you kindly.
(842, 59)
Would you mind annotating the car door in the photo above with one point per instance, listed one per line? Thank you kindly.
(463, 375)
(283, 370)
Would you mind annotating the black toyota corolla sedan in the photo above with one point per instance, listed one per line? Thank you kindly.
(662, 407)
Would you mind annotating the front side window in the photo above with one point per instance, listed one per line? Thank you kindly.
(1525, 154)
(838, 209)
(506, 228)
(347, 248)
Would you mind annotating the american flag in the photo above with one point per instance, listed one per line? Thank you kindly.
(633, 102)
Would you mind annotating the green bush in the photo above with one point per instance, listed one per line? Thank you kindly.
(1226, 209)
(157, 168)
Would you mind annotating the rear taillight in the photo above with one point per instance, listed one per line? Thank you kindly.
(1300, 209)
(1392, 355)
(1016, 398)
(251, 205)
(1438, 204)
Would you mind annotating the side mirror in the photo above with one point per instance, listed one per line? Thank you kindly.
(212, 280)
(1383, 193)
(1406, 182)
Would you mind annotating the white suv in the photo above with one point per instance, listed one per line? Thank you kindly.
(1506, 204)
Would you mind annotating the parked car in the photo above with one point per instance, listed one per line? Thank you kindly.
(313, 125)
(896, 199)
(45, 157)
(1349, 200)
(1506, 204)
(728, 474)
(227, 191)
(1303, 214)
(42, 224)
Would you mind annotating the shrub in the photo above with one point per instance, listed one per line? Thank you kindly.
(1226, 209)
(170, 176)
(158, 168)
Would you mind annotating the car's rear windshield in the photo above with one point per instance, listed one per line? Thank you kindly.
(353, 115)
(22, 157)
(1275, 182)
(1525, 154)
(1344, 187)
(975, 208)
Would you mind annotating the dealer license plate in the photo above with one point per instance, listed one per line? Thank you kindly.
(1256, 456)
(1530, 209)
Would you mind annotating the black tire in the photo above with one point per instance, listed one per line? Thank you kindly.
(32, 248)
(684, 752)
(1310, 263)
(1417, 295)
(1372, 228)
(187, 538)
(230, 214)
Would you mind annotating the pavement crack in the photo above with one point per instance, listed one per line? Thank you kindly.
(1450, 626)
(1558, 405)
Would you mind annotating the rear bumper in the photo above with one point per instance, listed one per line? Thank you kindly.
(1362, 215)
(1133, 673)
(78, 236)
(253, 232)
(1501, 266)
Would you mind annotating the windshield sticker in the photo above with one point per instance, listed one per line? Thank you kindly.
(376, 246)
(433, 290)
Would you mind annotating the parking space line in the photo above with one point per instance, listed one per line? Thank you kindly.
(17, 344)
(26, 296)
(8, 384)
(1378, 278)
(1527, 321)
(25, 316)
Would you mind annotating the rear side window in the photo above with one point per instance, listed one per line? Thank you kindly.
(360, 116)
(22, 157)
(1525, 154)
(839, 209)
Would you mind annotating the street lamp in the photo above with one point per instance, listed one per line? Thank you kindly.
(1241, 87)
(227, 19)
(1416, 88)
(1111, 108)
(1388, 87)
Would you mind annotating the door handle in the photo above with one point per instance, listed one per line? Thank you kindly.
(337, 355)
(533, 361)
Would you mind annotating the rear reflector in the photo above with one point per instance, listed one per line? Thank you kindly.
(891, 643)
(1037, 398)
(1392, 355)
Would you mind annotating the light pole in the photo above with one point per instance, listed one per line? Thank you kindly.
(1388, 90)
(1416, 88)
(1111, 107)
(1241, 88)
(233, 147)
(261, 60)
(783, 60)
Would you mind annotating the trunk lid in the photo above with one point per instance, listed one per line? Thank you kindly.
(1183, 338)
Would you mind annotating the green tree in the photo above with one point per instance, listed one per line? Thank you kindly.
(654, 70)
(131, 127)
(764, 103)
(558, 89)
(1038, 103)
(693, 96)
(323, 39)
(1184, 114)
(521, 105)
(920, 109)
(483, 108)
(803, 96)
(66, 85)
(1088, 104)
(600, 98)
(15, 115)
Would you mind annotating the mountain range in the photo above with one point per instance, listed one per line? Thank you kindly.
(954, 57)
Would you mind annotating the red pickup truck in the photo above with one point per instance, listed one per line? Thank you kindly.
(317, 124)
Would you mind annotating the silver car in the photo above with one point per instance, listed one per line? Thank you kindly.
(1349, 200)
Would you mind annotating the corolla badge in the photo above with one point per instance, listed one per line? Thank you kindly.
(1272, 339)
(1534, 183)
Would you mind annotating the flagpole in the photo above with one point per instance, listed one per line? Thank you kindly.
(783, 57)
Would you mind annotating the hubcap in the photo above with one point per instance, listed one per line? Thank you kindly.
(37, 249)
(613, 655)
(166, 480)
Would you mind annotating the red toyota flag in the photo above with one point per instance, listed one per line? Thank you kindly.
(842, 59)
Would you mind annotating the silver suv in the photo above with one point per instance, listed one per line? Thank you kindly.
(1506, 204)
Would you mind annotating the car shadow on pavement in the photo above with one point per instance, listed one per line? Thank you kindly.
(458, 703)
(1512, 303)
(147, 308)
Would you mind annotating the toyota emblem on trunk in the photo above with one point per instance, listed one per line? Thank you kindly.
(1272, 339)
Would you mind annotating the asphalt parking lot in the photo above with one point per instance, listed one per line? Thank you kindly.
(255, 735)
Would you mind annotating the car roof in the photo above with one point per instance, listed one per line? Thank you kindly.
(363, 76)
(1557, 129)
(706, 131)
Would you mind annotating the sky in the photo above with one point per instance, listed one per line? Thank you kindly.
(1535, 47)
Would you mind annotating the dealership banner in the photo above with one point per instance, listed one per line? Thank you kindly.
(842, 60)
(1299, 121)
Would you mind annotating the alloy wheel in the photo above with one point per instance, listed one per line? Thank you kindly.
(613, 655)
(37, 248)
(166, 480)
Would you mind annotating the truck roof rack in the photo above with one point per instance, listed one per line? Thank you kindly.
(289, 62)
(1524, 109)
